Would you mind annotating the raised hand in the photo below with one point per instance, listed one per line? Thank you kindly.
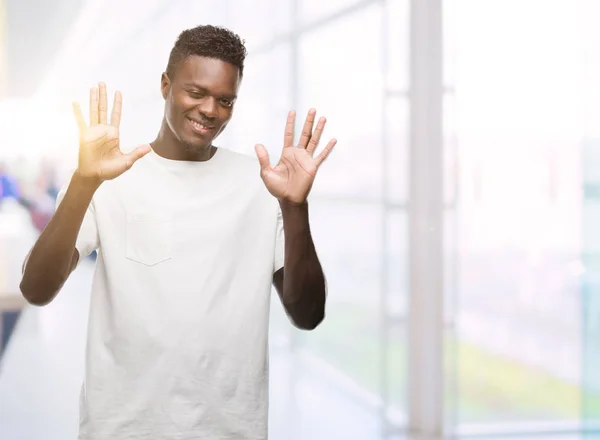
(100, 156)
(292, 178)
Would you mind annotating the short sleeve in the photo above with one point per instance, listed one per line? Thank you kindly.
(279, 243)
(87, 239)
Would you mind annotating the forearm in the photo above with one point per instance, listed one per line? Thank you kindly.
(51, 258)
(304, 289)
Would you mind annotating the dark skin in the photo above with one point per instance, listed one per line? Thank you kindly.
(301, 282)
(199, 100)
(202, 90)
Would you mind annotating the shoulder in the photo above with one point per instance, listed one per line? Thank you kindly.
(245, 172)
(241, 167)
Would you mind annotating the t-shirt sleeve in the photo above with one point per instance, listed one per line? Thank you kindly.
(87, 239)
(279, 243)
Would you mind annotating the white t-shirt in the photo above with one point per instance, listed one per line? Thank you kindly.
(177, 345)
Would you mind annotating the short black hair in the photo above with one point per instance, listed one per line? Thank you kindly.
(211, 42)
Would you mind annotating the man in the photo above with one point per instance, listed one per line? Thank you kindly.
(189, 241)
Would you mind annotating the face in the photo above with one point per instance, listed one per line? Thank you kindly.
(199, 100)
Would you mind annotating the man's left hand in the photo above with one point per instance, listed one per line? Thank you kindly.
(292, 178)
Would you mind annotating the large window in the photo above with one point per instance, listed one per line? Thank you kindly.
(518, 340)
(340, 75)
(361, 234)
(591, 215)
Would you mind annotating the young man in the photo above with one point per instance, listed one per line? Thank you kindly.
(189, 241)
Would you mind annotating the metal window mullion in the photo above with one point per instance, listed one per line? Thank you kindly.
(426, 246)
(384, 327)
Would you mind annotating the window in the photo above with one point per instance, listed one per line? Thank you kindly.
(590, 270)
(263, 103)
(269, 19)
(397, 154)
(518, 336)
(397, 29)
(340, 76)
(350, 240)
(361, 241)
(311, 10)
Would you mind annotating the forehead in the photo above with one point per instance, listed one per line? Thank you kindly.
(210, 73)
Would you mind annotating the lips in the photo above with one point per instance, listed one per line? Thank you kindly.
(200, 127)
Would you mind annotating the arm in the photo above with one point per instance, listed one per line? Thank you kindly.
(53, 256)
(301, 286)
(301, 283)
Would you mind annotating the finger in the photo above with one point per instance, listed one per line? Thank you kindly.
(307, 129)
(316, 137)
(323, 155)
(288, 137)
(79, 118)
(103, 104)
(93, 106)
(133, 156)
(115, 116)
(263, 157)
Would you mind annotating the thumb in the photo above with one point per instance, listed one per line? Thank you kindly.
(136, 154)
(263, 157)
(79, 118)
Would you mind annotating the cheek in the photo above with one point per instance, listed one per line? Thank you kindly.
(174, 113)
(226, 114)
(181, 103)
(170, 112)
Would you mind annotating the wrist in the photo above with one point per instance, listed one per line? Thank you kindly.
(85, 183)
(294, 213)
(285, 204)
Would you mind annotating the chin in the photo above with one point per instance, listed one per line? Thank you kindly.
(196, 147)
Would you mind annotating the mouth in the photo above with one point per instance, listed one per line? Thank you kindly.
(200, 127)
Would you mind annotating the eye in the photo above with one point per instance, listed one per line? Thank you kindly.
(195, 94)
(226, 102)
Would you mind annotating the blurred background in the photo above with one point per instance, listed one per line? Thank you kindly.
(458, 219)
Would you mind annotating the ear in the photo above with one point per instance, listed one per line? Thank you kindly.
(165, 84)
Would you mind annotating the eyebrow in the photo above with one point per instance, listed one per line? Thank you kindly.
(204, 89)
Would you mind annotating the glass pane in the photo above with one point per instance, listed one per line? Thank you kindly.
(518, 340)
(590, 284)
(450, 33)
(509, 89)
(311, 10)
(349, 241)
(397, 153)
(263, 102)
(396, 309)
(451, 274)
(450, 150)
(591, 60)
(347, 89)
(350, 341)
(398, 36)
(268, 19)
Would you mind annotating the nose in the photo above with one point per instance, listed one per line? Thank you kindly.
(209, 107)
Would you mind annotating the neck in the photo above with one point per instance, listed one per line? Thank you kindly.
(168, 146)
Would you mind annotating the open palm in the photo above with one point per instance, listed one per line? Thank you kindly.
(292, 178)
(100, 155)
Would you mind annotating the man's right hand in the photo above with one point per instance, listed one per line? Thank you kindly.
(100, 156)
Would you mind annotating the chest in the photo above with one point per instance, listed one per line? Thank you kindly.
(149, 227)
